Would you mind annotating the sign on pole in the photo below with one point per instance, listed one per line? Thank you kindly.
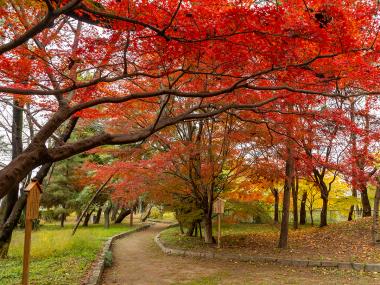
(219, 209)
(33, 192)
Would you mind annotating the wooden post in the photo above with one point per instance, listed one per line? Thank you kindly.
(219, 209)
(131, 218)
(33, 192)
(219, 230)
(27, 243)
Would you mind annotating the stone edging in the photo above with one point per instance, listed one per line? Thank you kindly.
(97, 270)
(374, 267)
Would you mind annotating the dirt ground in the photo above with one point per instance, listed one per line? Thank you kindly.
(138, 261)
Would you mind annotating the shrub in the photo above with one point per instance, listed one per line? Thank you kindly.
(108, 259)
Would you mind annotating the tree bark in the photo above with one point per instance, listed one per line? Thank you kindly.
(365, 202)
(208, 238)
(295, 203)
(276, 202)
(123, 213)
(87, 218)
(303, 208)
(146, 216)
(98, 215)
(131, 219)
(114, 211)
(190, 230)
(107, 211)
(11, 198)
(375, 223)
(63, 218)
(325, 203)
(311, 217)
(351, 213)
(289, 179)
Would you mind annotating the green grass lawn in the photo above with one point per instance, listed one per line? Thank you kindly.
(56, 256)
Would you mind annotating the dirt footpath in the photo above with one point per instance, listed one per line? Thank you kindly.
(138, 261)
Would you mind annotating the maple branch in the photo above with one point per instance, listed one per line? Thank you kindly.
(39, 27)
(70, 149)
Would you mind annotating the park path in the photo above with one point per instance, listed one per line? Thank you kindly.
(137, 260)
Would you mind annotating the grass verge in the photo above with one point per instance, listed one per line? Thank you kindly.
(56, 256)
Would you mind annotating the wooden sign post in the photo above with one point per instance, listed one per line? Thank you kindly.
(219, 209)
(32, 208)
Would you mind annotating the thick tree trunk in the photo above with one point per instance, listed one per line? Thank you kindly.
(11, 198)
(365, 202)
(123, 213)
(295, 203)
(9, 201)
(303, 209)
(7, 228)
(289, 179)
(98, 215)
(107, 216)
(325, 203)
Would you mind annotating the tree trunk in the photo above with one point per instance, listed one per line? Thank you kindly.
(311, 217)
(7, 228)
(351, 213)
(276, 202)
(10, 200)
(303, 209)
(365, 202)
(63, 218)
(208, 217)
(181, 228)
(98, 215)
(190, 230)
(289, 179)
(207, 222)
(146, 216)
(131, 219)
(87, 219)
(115, 211)
(124, 212)
(323, 221)
(107, 216)
(375, 223)
(295, 203)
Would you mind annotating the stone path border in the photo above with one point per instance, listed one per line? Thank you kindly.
(289, 262)
(97, 270)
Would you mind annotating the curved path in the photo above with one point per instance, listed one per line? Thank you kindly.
(138, 261)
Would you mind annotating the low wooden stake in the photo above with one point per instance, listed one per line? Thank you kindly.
(33, 191)
(219, 229)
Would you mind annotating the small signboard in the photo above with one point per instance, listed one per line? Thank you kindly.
(33, 191)
(219, 206)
